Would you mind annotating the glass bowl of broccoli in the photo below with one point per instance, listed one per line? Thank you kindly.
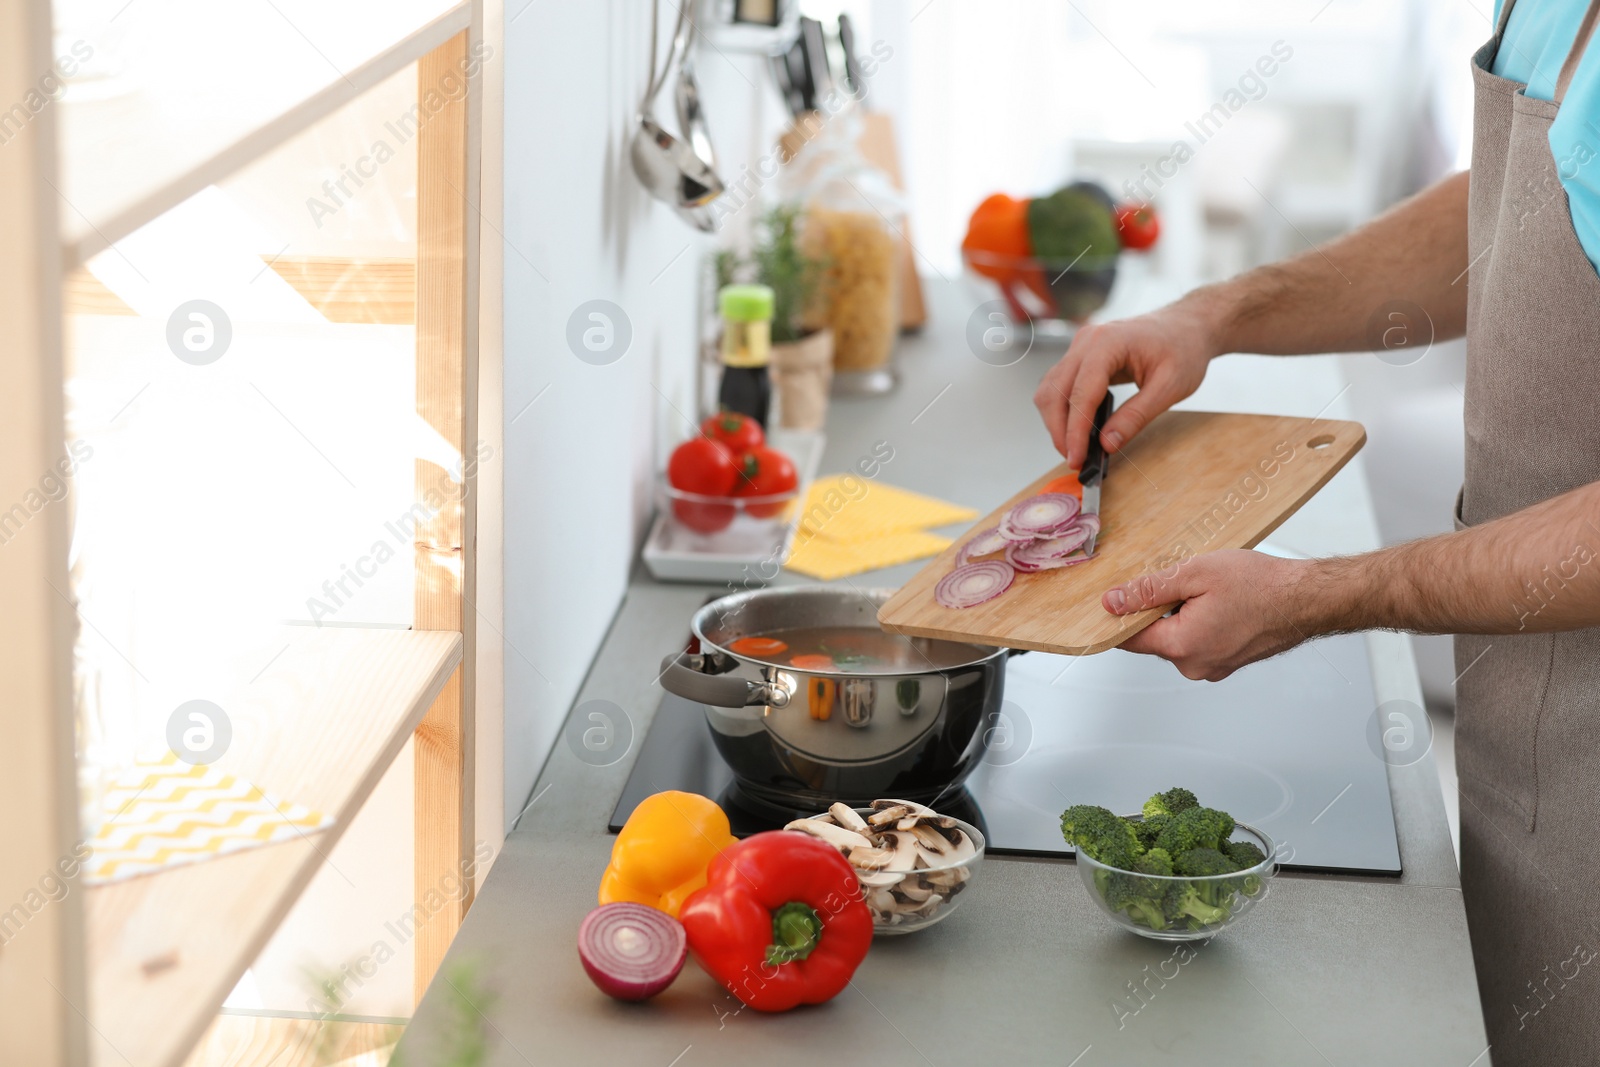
(1176, 871)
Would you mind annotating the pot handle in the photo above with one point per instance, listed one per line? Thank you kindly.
(719, 690)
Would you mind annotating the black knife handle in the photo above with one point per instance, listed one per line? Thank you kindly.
(1094, 462)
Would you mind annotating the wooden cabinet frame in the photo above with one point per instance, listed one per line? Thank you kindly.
(62, 986)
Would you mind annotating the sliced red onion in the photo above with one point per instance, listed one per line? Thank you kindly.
(985, 543)
(1010, 533)
(1042, 514)
(1027, 562)
(631, 952)
(973, 583)
(1089, 521)
(1021, 564)
(1059, 545)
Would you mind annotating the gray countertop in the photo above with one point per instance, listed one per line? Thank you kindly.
(1329, 969)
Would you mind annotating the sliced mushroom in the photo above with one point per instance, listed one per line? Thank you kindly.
(905, 850)
(961, 847)
(847, 817)
(879, 879)
(885, 816)
(935, 843)
(947, 877)
(913, 890)
(880, 900)
(929, 907)
(870, 859)
(837, 836)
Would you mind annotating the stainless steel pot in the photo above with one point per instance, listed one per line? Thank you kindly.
(808, 738)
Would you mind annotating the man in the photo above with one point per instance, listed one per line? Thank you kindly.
(1509, 259)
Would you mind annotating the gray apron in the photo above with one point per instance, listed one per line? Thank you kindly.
(1528, 705)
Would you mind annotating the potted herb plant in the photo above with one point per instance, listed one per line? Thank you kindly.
(802, 358)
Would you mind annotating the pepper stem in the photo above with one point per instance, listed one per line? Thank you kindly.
(795, 932)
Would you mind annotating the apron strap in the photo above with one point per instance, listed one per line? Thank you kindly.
(1579, 44)
(1505, 17)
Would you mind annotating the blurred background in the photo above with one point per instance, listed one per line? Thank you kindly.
(1372, 103)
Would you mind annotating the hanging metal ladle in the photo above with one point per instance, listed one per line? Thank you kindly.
(668, 167)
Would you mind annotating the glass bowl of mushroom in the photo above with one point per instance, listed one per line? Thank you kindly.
(912, 862)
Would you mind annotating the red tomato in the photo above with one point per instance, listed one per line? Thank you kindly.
(706, 468)
(766, 472)
(739, 432)
(1138, 225)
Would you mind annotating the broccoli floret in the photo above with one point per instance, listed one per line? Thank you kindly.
(1183, 901)
(1130, 893)
(1140, 897)
(1149, 828)
(1209, 863)
(1195, 828)
(1244, 854)
(1157, 861)
(1203, 863)
(1101, 835)
(1171, 802)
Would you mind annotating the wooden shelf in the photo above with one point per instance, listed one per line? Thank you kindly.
(369, 291)
(213, 86)
(318, 726)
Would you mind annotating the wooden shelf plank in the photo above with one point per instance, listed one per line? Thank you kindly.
(268, 71)
(317, 727)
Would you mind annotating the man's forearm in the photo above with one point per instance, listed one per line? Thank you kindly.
(1535, 570)
(1324, 299)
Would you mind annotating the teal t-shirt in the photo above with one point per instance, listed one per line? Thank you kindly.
(1538, 37)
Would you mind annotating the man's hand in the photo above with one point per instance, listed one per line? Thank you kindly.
(1164, 352)
(1237, 607)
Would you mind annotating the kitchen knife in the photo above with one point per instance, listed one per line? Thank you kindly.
(853, 78)
(1094, 467)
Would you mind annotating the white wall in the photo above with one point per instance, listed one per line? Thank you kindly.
(579, 461)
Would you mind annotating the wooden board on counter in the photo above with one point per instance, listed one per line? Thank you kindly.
(1193, 482)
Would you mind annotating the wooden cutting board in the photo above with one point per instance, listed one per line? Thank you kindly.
(1192, 482)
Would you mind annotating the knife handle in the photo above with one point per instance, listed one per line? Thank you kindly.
(1094, 462)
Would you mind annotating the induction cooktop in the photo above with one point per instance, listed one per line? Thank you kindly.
(1284, 745)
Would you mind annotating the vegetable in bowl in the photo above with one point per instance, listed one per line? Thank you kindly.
(1172, 872)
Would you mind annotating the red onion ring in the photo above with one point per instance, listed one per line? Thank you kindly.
(1052, 547)
(1042, 514)
(985, 543)
(973, 583)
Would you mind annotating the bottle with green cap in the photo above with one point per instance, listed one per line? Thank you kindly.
(746, 350)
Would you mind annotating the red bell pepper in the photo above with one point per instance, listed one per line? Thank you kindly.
(780, 921)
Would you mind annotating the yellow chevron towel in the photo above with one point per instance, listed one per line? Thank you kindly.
(851, 525)
(165, 813)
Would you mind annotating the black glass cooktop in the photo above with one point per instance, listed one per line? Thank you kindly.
(1285, 745)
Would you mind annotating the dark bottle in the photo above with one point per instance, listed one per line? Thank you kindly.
(746, 350)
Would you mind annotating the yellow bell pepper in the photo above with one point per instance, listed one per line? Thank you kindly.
(662, 853)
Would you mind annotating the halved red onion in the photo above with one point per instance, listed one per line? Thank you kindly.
(631, 952)
(973, 583)
(985, 543)
(1042, 514)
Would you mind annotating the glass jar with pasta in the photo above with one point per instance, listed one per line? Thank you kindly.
(853, 226)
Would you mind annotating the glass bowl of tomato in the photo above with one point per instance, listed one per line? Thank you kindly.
(727, 490)
(723, 520)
